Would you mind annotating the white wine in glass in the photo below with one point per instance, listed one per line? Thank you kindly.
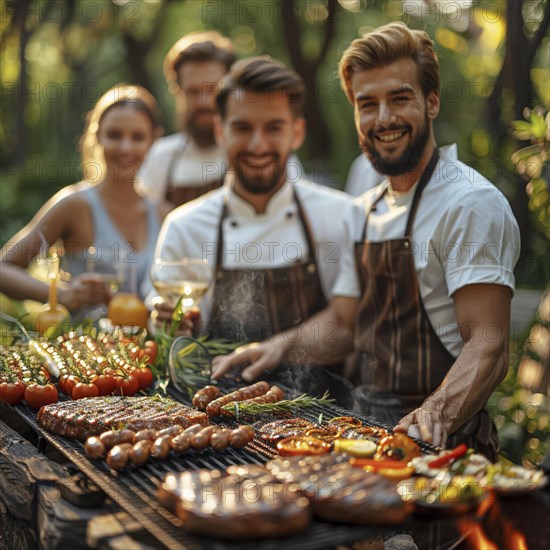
(188, 278)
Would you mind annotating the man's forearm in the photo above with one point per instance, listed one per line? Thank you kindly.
(468, 385)
(323, 339)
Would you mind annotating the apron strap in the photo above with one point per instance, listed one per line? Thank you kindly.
(424, 179)
(223, 215)
(305, 225)
(372, 209)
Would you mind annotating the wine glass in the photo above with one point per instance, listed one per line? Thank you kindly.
(188, 279)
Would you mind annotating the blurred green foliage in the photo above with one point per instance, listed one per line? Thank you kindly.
(74, 50)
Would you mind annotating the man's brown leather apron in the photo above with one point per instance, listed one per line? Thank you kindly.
(178, 194)
(254, 304)
(402, 359)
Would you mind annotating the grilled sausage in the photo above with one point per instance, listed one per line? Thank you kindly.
(240, 438)
(274, 395)
(248, 429)
(220, 439)
(94, 447)
(140, 452)
(172, 431)
(147, 434)
(201, 439)
(117, 457)
(161, 447)
(205, 396)
(255, 390)
(116, 437)
(182, 442)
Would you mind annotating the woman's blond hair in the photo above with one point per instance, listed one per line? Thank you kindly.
(385, 45)
(121, 94)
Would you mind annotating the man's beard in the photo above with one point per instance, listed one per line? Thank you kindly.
(250, 178)
(202, 134)
(408, 161)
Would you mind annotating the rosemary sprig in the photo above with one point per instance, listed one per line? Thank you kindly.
(254, 409)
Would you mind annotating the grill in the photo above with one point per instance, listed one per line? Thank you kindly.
(134, 489)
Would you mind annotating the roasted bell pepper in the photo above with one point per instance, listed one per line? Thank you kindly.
(451, 456)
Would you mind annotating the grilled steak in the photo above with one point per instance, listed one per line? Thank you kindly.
(341, 493)
(93, 416)
(285, 428)
(236, 506)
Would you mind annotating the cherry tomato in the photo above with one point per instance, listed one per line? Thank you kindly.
(129, 385)
(134, 352)
(70, 383)
(105, 383)
(151, 349)
(302, 445)
(37, 396)
(144, 376)
(12, 392)
(82, 389)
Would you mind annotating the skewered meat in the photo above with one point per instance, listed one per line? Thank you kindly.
(285, 428)
(93, 416)
(205, 396)
(235, 506)
(255, 390)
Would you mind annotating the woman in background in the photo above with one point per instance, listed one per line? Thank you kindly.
(107, 229)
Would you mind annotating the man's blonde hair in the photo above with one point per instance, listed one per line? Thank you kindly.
(385, 45)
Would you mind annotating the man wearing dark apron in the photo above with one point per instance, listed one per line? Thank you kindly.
(411, 282)
(274, 258)
(186, 165)
(426, 281)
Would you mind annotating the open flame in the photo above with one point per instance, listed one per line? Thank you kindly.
(490, 529)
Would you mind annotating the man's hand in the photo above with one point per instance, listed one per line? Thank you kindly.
(264, 356)
(162, 317)
(424, 424)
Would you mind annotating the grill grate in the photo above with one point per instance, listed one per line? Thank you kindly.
(134, 489)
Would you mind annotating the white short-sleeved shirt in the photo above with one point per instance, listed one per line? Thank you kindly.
(178, 157)
(464, 233)
(260, 241)
(362, 176)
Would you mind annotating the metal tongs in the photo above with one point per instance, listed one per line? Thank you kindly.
(34, 345)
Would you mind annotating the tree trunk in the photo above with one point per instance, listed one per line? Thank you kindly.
(319, 140)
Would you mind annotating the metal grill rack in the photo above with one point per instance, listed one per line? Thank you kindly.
(134, 488)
